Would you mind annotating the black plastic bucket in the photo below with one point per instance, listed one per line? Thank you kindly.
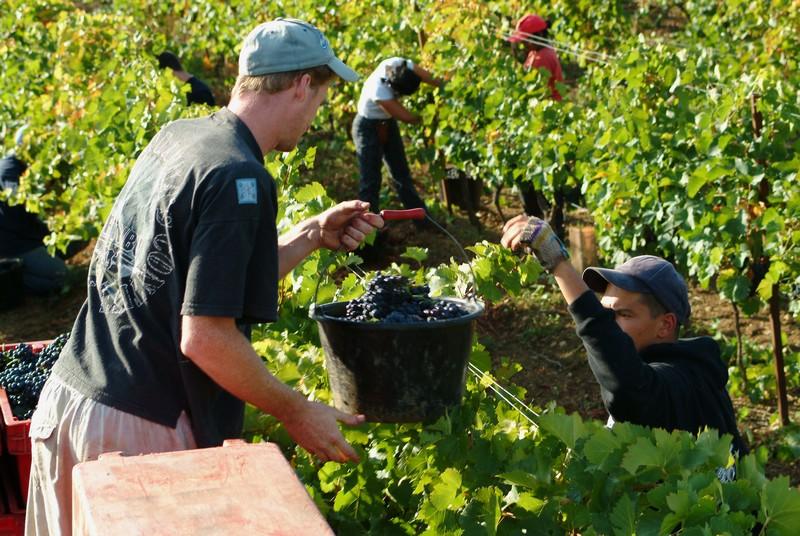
(396, 372)
(11, 283)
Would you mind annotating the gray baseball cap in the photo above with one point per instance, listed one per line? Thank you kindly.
(284, 45)
(646, 274)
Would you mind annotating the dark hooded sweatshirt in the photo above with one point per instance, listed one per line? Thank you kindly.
(676, 386)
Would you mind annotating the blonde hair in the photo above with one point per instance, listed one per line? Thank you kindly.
(277, 82)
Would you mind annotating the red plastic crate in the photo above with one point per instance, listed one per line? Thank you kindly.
(15, 431)
(12, 524)
(37, 346)
(238, 488)
(12, 518)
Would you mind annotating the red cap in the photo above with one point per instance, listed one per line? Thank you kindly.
(527, 25)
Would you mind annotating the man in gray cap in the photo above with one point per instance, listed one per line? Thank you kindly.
(159, 358)
(647, 374)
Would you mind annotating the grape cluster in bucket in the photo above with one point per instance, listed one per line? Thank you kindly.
(392, 299)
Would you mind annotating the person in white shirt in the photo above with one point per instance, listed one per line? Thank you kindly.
(376, 134)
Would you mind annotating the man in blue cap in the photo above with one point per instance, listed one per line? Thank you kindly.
(159, 358)
(647, 374)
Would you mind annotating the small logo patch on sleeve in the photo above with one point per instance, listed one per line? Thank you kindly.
(247, 191)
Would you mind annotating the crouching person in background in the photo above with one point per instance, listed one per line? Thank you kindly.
(22, 236)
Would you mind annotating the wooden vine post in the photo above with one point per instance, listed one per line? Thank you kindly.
(775, 298)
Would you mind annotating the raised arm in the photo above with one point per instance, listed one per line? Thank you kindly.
(627, 383)
(398, 111)
(427, 77)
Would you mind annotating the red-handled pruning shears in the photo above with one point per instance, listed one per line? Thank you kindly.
(420, 214)
(409, 214)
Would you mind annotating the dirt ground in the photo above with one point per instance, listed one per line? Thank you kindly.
(538, 334)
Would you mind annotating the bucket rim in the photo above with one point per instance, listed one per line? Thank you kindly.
(317, 312)
(10, 262)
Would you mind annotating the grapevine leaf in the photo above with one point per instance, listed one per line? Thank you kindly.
(520, 478)
(733, 523)
(530, 503)
(310, 156)
(491, 512)
(702, 175)
(780, 507)
(480, 357)
(445, 494)
(482, 268)
(748, 469)
(623, 517)
(643, 453)
(567, 428)
(310, 192)
(714, 448)
(741, 495)
(680, 502)
(415, 253)
(600, 445)
(345, 498)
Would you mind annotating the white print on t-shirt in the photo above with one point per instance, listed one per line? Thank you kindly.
(127, 266)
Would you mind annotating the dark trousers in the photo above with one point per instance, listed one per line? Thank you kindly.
(377, 141)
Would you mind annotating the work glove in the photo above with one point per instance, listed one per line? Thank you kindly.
(540, 239)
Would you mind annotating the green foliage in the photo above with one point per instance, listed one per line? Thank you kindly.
(92, 102)
(483, 468)
(659, 140)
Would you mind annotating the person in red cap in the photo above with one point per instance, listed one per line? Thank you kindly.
(647, 374)
(529, 38)
(530, 34)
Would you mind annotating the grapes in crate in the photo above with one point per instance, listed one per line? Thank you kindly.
(24, 373)
(392, 299)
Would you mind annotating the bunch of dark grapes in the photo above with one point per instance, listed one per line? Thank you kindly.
(25, 373)
(393, 300)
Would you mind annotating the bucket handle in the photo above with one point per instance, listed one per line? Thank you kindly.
(418, 214)
(421, 214)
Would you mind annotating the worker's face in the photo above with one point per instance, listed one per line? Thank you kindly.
(635, 318)
(308, 102)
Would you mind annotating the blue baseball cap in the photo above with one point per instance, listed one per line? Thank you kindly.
(284, 45)
(646, 274)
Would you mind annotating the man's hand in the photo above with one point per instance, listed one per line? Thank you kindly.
(315, 428)
(346, 225)
(220, 350)
(534, 234)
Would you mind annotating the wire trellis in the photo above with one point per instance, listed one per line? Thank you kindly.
(507, 396)
(598, 57)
